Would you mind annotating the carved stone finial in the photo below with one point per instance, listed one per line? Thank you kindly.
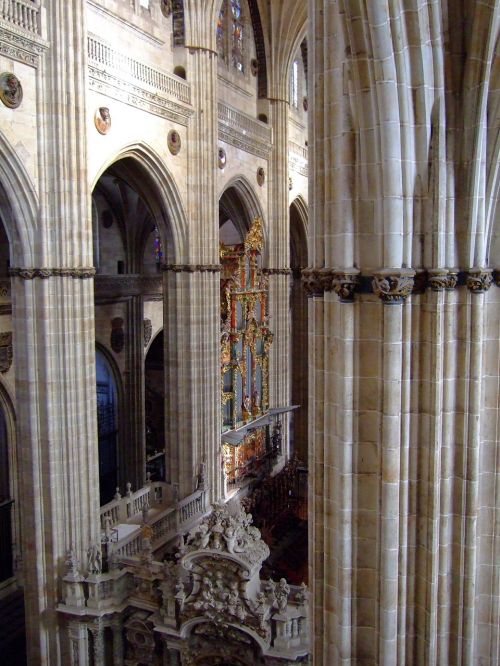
(393, 285)
(479, 280)
(344, 284)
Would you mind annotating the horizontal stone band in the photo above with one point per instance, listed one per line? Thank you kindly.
(45, 273)
(191, 268)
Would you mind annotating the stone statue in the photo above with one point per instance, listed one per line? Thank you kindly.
(281, 592)
(94, 562)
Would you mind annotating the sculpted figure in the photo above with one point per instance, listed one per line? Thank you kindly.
(94, 559)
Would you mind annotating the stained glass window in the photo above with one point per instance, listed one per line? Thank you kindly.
(221, 32)
(237, 35)
(157, 247)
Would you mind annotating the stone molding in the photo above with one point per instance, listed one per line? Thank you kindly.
(298, 158)
(82, 273)
(277, 271)
(191, 268)
(442, 279)
(244, 132)
(479, 280)
(20, 44)
(393, 285)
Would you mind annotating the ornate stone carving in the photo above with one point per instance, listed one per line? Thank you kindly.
(191, 268)
(393, 286)
(344, 284)
(221, 158)
(254, 66)
(5, 351)
(166, 7)
(479, 280)
(94, 561)
(44, 273)
(277, 271)
(102, 120)
(442, 279)
(261, 176)
(174, 142)
(316, 281)
(117, 338)
(11, 90)
(148, 331)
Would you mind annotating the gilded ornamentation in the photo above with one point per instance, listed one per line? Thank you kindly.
(479, 280)
(174, 142)
(11, 90)
(344, 284)
(255, 237)
(442, 279)
(102, 120)
(393, 286)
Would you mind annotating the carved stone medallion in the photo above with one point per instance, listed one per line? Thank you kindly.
(11, 90)
(261, 176)
(102, 120)
(221, 159)
(117, 339)
(254, 66)
(174, 142)
(148, 331)
(5, 351)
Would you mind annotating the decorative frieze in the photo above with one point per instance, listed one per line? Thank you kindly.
(316, 281)
(393, 285)
(442, 279)
(20, 31)
(244, 132)
(82, 273)
(277, 271)
(298, 158)
(479, 280)
(191, 268)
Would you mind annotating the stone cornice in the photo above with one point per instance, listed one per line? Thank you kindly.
(191, 268)
(82, 273)
(20, 44)
(479, 280)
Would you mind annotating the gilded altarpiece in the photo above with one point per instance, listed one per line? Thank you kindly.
(245, 343)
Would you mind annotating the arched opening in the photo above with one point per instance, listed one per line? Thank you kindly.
(154, 406)
(107, 427)
(133, 238)
(298, 331)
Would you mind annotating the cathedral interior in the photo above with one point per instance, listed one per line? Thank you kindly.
(249, 332)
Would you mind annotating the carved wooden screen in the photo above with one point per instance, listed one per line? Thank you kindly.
(245, 343)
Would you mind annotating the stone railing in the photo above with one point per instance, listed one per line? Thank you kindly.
(101, 54)
(243, 131)
(24, 14)
(298, 157)
(152, 504)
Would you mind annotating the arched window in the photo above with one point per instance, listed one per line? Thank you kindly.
(231, 34)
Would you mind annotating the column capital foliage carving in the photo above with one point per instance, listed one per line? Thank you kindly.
(479, 280)
(343, 281)
(393, 285)
(191, 268)
(316, 281)
(80, 272)
(443, 279)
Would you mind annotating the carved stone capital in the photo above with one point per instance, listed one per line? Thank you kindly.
(316, 281)
(443, 279)
(344, 283)
(393, 285)
(479, 280)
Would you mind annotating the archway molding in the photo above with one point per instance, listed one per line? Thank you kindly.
(18, 205)
(159, 192)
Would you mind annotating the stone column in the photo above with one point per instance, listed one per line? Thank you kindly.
(78, 643)
(53, 316)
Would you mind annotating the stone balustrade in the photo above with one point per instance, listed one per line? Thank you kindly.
(24, 14)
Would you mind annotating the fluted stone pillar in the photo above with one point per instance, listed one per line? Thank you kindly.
(279, 259)
(53, 316)
(192, 346)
